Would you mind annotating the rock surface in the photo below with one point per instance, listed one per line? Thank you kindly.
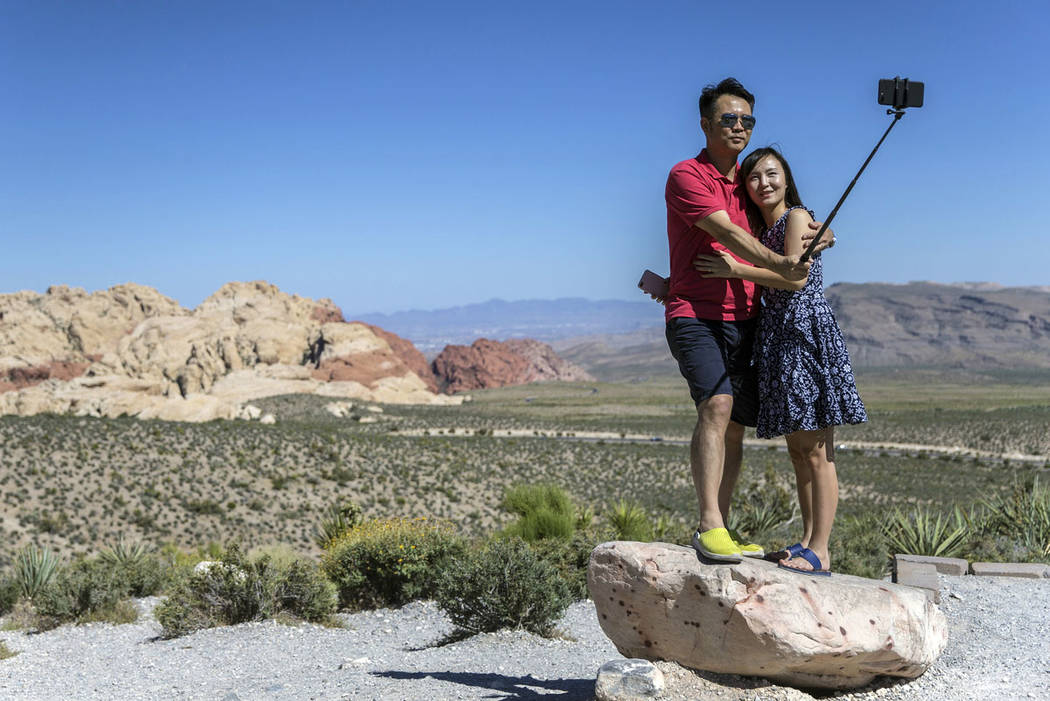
(628, 680)
(485, 364)
(659, 602)
(130, 350)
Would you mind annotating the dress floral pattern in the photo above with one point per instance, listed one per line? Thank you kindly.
(805, 378)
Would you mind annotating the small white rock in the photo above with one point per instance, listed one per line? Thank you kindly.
(628, 680)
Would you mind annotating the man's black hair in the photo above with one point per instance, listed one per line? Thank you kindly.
(729, 86)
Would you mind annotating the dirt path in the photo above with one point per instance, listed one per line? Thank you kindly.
(863, 446)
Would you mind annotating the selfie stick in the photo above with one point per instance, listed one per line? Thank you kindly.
(897, 114)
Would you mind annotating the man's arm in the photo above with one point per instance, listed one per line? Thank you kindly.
(743, 244)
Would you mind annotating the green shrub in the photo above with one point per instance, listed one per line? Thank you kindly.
(544, 511)
(226, 591)
(630, 522)
(1023, 516)
(389, 562)
(236, 589)
(503, 585)
(337, 520)
(762, 507)
(303, 592)
(570, 558)
(10, 590)
(859, 546)
(34, 569)
(87, 590)
(6, 652)
(143, 572)
(921, 531)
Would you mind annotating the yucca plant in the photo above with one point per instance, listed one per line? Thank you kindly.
(123, 554)
(663, 527)
(338, 519)
(630, 521)
(34, 569)
(1024, 514)
(765, 506)
(921, 531)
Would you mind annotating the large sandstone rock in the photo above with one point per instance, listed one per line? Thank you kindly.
(657, 601)
(409, 355)
(60, 333)
(130, 350)
(487, 363)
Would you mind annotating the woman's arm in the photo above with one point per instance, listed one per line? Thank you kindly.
(724, 265)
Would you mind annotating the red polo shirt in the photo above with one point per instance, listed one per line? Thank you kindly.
(695, 189)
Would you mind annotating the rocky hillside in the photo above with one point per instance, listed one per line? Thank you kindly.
(975, 326)
(131, 350)
(979, 325)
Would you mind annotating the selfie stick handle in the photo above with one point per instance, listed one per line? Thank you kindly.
(897, 114)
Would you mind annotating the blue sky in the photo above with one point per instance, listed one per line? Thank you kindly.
(395, 155)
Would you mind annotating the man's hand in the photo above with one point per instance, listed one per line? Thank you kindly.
(721, 264)
(826, 241)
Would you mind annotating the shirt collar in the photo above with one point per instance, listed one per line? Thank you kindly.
(706, 164)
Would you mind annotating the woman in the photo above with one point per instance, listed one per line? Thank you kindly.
(806, 384)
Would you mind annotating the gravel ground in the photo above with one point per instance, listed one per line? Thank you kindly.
(998, 647)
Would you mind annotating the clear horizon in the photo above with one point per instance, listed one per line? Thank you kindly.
(409, 156)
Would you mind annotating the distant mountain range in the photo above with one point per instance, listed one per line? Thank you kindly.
(544, 320)
(964, 325)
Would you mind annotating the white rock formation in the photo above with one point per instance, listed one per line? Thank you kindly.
(657, 601)
(129, 350)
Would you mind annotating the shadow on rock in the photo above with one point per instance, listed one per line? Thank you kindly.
(505, 687)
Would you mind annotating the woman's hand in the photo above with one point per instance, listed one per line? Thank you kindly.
(719, 265)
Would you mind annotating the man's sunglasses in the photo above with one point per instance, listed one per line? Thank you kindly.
(728, 119)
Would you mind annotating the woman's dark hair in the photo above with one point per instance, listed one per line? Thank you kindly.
(791, 197)
(729, 86)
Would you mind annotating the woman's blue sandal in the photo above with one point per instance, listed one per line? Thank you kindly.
(785, 554)
(810, 557)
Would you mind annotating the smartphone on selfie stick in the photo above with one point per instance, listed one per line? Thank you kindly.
(900, 94)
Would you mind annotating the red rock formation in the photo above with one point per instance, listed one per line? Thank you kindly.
(365, 368)
(18, 378)
(409, 355)
(326, 312)
(486, 364)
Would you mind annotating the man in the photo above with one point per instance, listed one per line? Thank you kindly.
(711, 321)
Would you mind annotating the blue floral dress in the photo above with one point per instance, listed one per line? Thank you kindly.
(805, 379)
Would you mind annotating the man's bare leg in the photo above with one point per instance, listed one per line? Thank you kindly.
(734, 458)
(707, 457)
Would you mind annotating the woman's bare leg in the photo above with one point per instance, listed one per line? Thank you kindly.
(804, 487)
(816, 451)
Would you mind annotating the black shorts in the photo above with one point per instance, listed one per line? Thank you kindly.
(715, 358)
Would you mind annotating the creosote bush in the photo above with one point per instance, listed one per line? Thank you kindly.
(90, 589)
(10, 590)
(235, 589)
(570, 558)
(503, 585)
(389, 562)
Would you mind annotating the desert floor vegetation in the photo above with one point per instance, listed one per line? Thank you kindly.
(76, 485)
